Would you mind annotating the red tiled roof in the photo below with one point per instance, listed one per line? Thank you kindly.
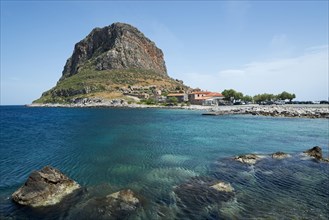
(215, 94)
(209, 96)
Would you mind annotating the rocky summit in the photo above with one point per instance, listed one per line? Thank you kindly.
(113, 62)
(118, 46)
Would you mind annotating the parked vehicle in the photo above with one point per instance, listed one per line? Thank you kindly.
(239, 103)
(280, 102)
(267, 103)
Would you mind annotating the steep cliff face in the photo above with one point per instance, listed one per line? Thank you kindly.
(118, 46)
(108, 63)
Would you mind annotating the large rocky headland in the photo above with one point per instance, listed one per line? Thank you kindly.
(116, 61)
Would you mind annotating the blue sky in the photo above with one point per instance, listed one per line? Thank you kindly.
(251, 46)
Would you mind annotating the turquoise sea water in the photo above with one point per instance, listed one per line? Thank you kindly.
(154, 151)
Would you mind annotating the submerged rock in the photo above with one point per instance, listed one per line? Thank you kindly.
(315, 152)
(124, 200)
(250, 159)
(280, 155)
(200, 193)
(45, 187)
(222, 187)
(118, 205)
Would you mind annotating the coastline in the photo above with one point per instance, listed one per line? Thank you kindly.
(291, 111)
(297, 111)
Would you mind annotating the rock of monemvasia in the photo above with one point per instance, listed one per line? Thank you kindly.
(112, 61)
(45, 187)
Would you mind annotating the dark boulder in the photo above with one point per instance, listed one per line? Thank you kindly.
(45, 187)
(315, 152)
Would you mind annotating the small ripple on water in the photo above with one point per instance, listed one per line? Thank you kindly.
(173, 159)
(170, 175)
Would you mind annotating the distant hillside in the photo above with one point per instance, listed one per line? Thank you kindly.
(108, 63)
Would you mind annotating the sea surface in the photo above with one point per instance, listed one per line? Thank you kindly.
(157, 153)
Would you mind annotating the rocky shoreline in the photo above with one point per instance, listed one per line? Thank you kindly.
(276, 111)
(297, 111)
(116, 103)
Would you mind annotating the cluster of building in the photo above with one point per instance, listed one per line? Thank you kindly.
(198, 97)
(194, 97)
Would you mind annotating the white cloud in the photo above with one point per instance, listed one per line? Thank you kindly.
(305, 75)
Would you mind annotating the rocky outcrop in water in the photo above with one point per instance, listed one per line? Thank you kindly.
(316, 153)
(249, 159)
(280, 155)
(47, 186)
(118, 46)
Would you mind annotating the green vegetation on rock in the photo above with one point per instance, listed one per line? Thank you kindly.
(89, 82)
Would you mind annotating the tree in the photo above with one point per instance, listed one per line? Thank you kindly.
(232, 94)
(172, 100)
(150, 101)
(286, 95)
(264, 97)
(293, 96)
(247, 98)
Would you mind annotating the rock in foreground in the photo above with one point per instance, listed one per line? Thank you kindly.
(45, 187)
